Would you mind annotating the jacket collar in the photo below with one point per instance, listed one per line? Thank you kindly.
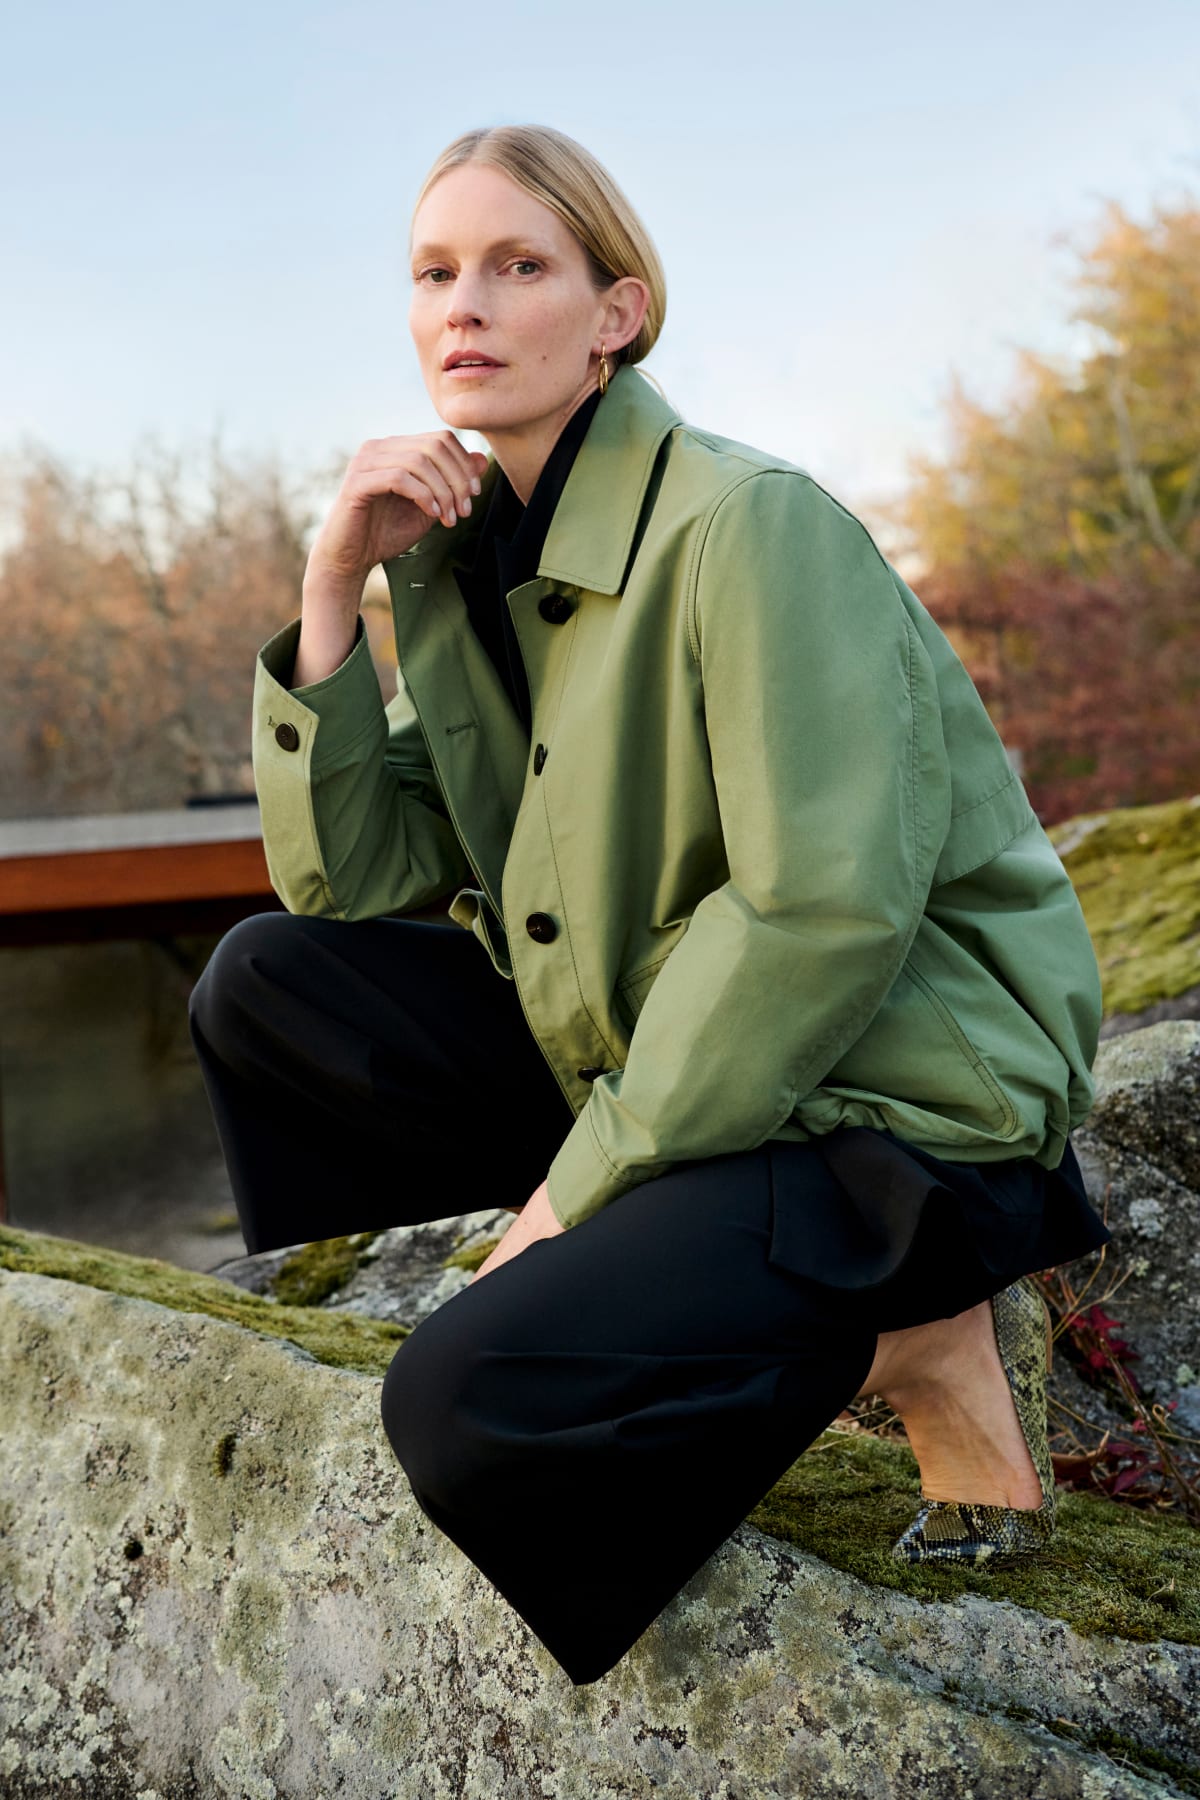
(592, 531)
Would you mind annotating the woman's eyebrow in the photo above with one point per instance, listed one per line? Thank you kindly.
(509, 243)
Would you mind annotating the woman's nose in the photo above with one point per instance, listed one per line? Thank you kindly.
(468, 304)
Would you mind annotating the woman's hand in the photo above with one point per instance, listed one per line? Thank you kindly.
(535, 1220)
(393, 492)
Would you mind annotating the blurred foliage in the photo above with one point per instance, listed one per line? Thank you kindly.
(1096, 465)
(134, 605)
(1060, 535)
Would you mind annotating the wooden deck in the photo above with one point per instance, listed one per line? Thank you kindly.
(148, 874)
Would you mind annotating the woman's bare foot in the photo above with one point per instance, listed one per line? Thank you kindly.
(947, 1383)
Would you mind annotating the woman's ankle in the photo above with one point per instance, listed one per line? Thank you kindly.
(914, 1366)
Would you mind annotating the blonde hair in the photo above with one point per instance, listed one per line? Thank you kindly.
(567, 178)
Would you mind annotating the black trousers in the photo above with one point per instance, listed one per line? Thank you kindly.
(591, 1420)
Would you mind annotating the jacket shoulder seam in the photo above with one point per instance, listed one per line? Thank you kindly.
(753, 473)
(692, 583)
(986, 800)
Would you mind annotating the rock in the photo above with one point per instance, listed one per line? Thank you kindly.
(214, 1582)
(1182, 1006)
(1140, 1156)
(409, 1272)
(400, 1275)
(1148, 1098)
(1136, 871)
(1187, 1415)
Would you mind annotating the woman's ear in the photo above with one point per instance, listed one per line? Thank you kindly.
(626, 305)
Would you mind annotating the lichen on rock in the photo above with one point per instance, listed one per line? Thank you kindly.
(215, 1582)
(1139, 1151)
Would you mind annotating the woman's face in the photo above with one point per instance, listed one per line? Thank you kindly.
(498, 274)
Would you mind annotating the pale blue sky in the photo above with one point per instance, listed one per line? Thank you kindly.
(205, 208)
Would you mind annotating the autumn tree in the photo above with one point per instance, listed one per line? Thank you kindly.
(1060, 534)
(133, 607)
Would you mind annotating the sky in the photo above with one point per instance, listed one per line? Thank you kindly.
(205, 208)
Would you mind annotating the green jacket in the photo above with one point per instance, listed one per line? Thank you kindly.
(763, 870)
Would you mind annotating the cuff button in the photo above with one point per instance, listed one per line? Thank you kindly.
(287, 737)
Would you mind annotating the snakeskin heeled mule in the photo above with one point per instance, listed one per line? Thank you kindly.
(968, 1531)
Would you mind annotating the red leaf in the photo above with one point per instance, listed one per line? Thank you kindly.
(1127, 1479)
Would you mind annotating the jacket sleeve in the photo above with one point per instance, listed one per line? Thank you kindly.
(833, 788)
(354, 822)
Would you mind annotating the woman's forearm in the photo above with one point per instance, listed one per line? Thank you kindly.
(328, 627)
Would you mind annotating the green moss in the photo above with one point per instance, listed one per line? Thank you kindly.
(310, 1274)
(471, 1258)
(1143, 1758)
(342, 1339)
(850, 1496)
(1136, 871)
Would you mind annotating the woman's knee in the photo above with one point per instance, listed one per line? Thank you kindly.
(228, 995)
(439, 1442)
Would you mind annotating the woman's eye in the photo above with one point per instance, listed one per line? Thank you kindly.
(522, 263)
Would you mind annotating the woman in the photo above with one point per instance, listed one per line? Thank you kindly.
(776, 1007)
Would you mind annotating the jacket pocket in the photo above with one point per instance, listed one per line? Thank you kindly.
(915, 1052)
(1004, 1113)
(633, 988)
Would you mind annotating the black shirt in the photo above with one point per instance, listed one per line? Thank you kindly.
(509, 550)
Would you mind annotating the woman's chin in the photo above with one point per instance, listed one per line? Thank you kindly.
(478, 412)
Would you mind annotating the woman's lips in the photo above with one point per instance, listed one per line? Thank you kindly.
(465, 369)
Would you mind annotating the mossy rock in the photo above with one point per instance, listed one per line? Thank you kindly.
(343, 1340)
(1111, 1568)
(316, 1271)
(214, 1580)
(1136, 871)
(845, 1500)
(472, 1256)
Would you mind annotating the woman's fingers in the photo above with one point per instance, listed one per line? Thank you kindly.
(431, 471)
(448, 469)
(374, 483)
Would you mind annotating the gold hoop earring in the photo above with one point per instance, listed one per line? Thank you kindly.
(603, 371)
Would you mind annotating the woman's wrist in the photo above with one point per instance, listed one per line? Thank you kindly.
(328, 628)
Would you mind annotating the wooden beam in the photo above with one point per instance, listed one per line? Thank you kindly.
(67, 881)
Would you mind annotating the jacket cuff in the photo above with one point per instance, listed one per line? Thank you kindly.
(297, 734)
(581, 1180)
(346, 704)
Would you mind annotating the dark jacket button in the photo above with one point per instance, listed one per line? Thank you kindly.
(287, 737)
(541, 928)
(539, 759)
(590, 1074)
(556, 609)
